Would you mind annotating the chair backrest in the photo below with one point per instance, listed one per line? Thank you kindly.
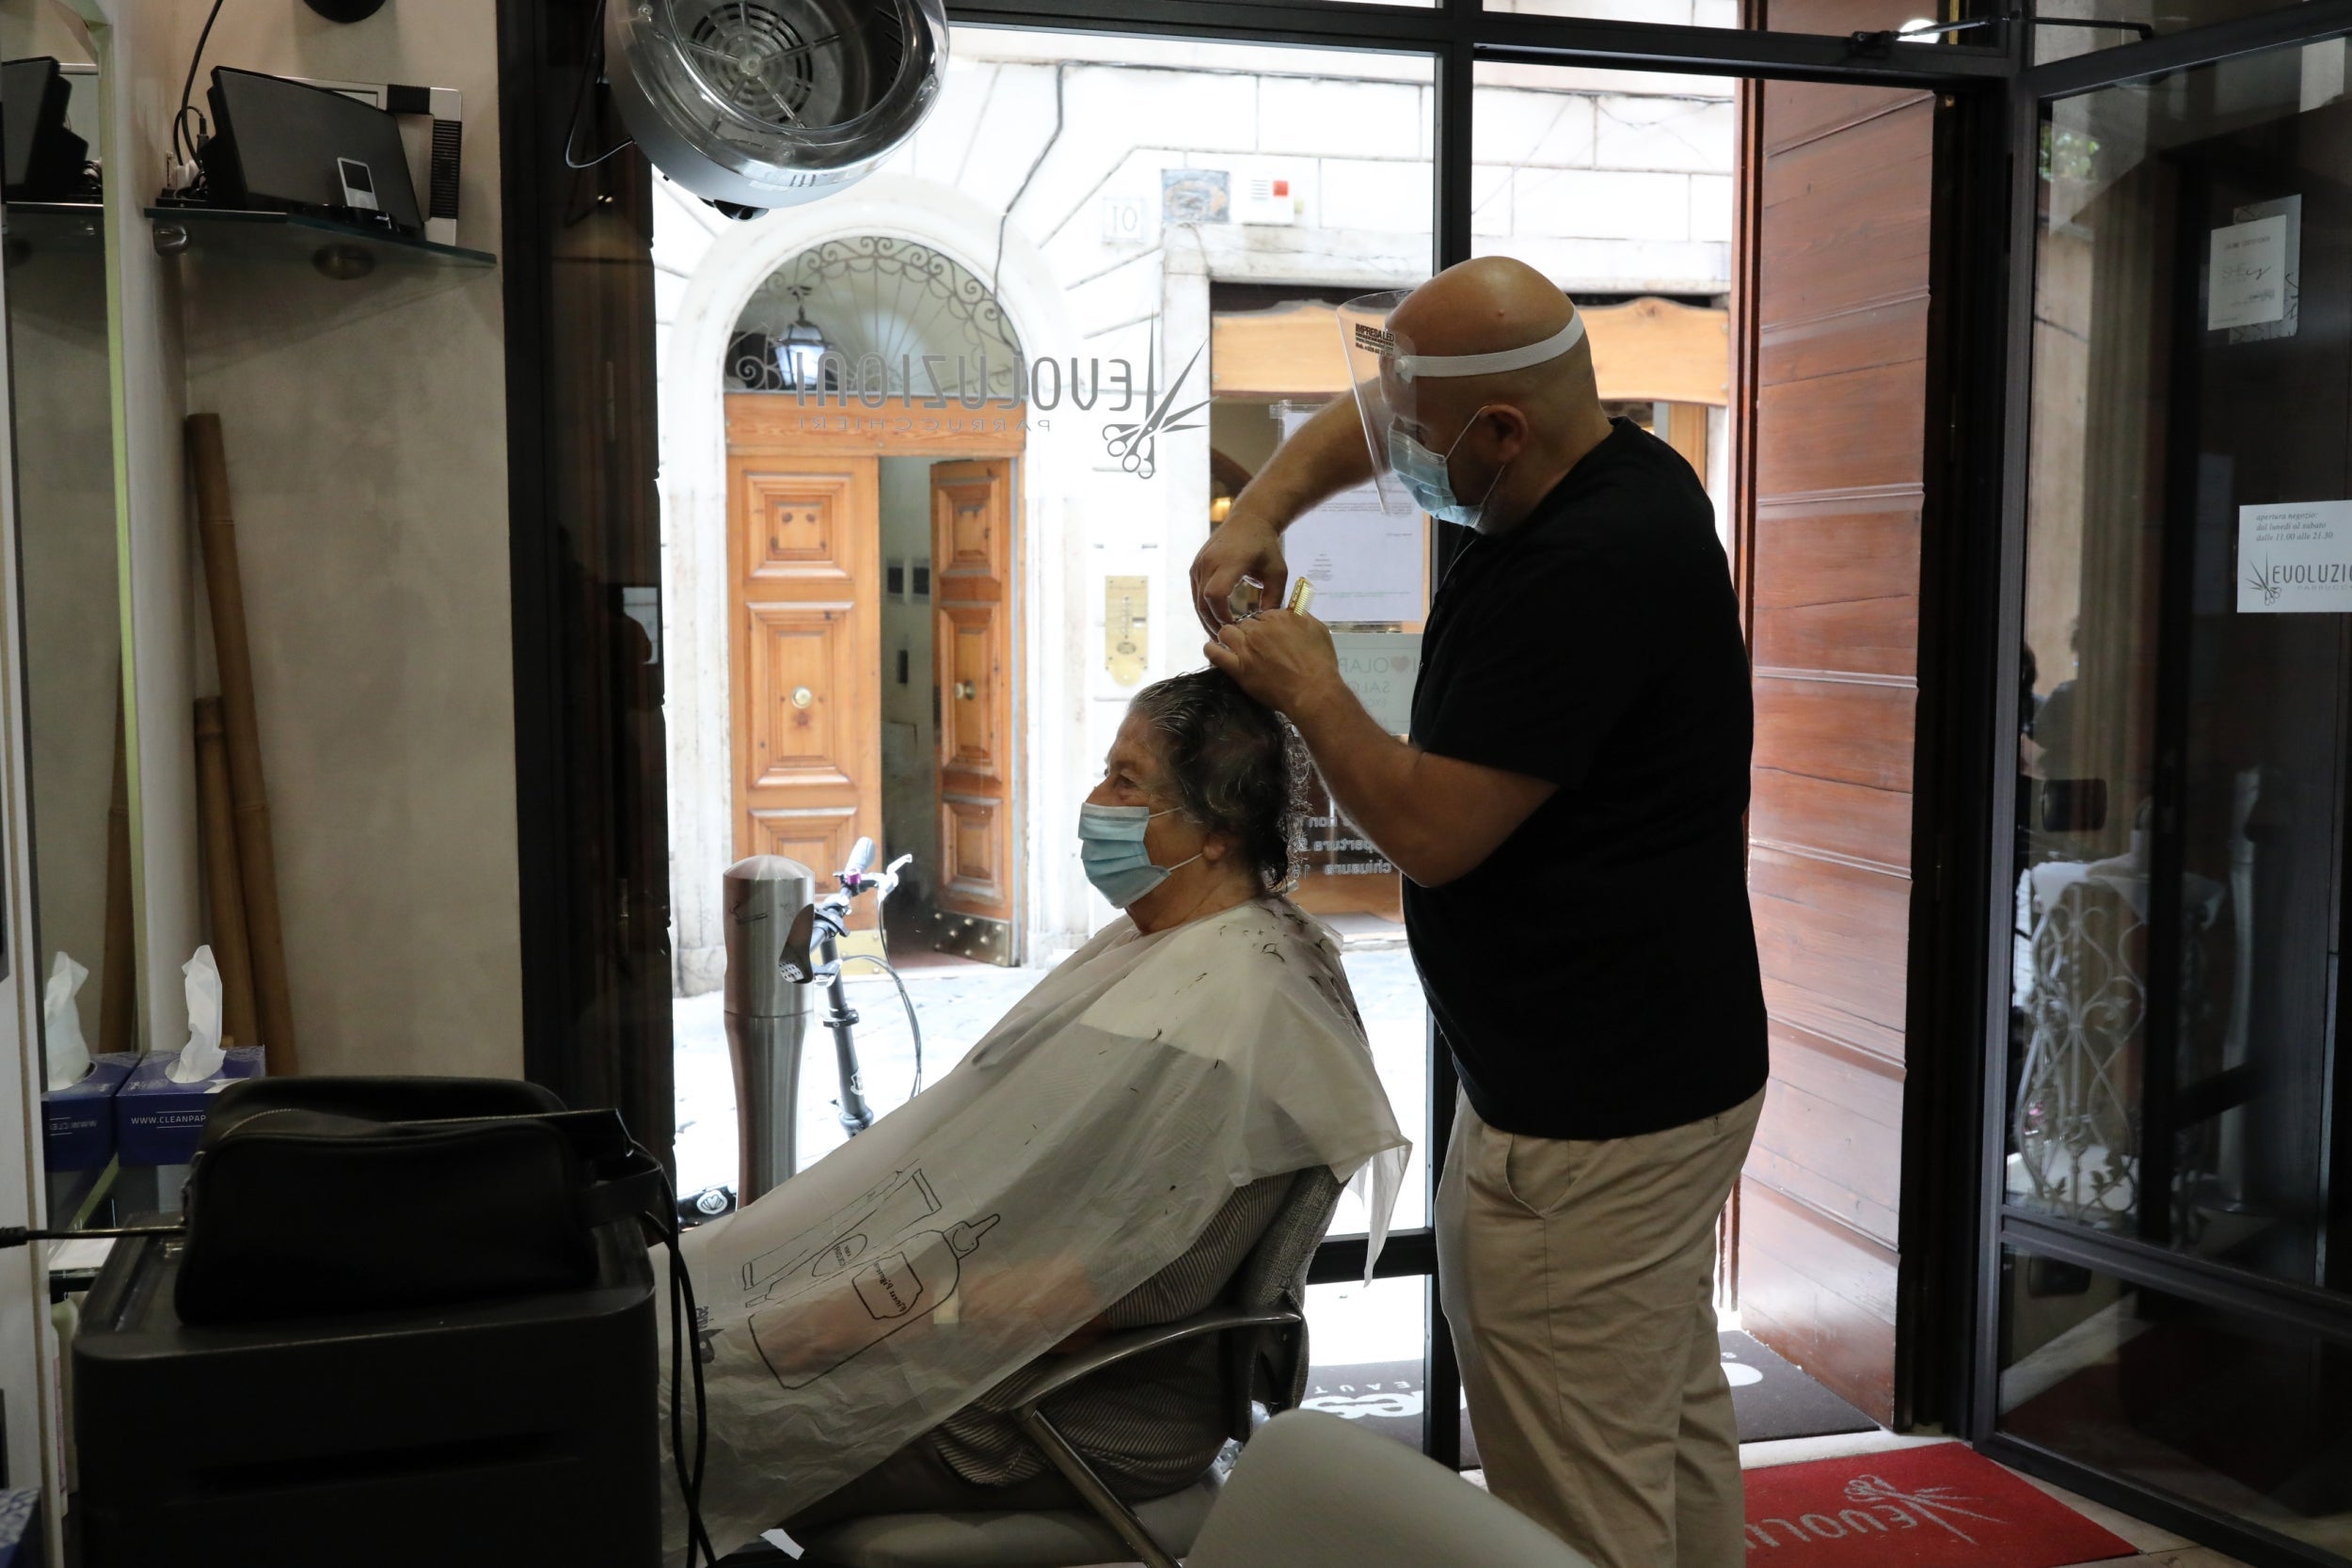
(1314, 1491)
(1269, 1365)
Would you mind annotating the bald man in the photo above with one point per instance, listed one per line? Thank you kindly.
(1568, 818)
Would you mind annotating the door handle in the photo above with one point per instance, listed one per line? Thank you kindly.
(802, 696)
(967, 690)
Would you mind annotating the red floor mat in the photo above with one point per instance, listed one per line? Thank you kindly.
(1940, 1507)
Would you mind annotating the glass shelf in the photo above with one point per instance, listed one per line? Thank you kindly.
(54, 228)
(336, 250)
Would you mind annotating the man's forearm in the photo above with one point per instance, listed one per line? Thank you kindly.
(1323, 457)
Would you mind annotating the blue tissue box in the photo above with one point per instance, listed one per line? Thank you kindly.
(157, 1122)
(20, 1527)
(78, 1121)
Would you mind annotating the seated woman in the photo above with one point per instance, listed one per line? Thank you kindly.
(1105, 1158)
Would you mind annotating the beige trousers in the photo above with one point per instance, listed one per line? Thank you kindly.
(1578, 1278)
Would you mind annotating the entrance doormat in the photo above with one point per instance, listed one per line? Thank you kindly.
(1770, 1398)
(1945, 1506)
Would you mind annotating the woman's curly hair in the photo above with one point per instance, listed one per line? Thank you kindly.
(1234, 766)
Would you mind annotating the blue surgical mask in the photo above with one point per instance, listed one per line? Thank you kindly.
(1110, 846)
(1423, 474)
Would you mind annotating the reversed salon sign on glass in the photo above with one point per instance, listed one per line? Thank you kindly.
(2294, 558)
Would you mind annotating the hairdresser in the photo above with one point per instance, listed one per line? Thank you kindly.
(1567, 815)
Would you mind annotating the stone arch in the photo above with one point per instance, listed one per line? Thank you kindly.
(720, 275)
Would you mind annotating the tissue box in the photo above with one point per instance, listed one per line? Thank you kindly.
(20, 1527)
(78, 1121)
(157, 1122)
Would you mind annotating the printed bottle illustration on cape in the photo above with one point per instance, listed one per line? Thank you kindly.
(829, 1303)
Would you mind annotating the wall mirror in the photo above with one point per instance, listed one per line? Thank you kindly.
(61, 350)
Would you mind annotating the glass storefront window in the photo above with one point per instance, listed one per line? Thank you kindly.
(2241, 1417)
(1618, 185)
(1365, 1347)
(2188, 669)
(1674, 13)
(2161, 16)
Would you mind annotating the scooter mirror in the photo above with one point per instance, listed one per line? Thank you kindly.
(794, 963)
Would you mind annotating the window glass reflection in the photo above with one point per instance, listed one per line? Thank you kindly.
(2242, 1418)
(2186, 666)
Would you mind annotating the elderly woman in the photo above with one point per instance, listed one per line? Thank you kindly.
(1105, 1158)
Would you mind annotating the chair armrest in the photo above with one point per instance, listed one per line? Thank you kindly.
(1132, 1342)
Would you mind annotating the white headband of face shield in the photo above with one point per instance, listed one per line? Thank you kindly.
(1410, 365)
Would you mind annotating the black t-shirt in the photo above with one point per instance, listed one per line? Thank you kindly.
(1597, 976)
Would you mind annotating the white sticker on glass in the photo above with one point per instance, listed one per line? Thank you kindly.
(2248, 285)
(2294, 558)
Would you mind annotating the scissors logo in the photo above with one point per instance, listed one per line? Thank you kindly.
(1137, 445)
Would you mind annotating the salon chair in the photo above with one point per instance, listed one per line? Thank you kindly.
(1314, 1491)
(1263, 1324)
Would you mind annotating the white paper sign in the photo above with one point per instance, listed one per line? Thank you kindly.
(1366, 564)
(2289, 210)
(2294, 559)
(1380, 667)
(2248, 285)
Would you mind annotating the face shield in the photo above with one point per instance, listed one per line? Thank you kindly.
(1409, 461)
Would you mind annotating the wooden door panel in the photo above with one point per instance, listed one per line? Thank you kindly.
(1826, 814)
(1855, 732)
(972, 552)
(799, 526)
(969, 741)
(972, 838)
(1836, 277)
(818, 838)
(805, 549)
(801, 736)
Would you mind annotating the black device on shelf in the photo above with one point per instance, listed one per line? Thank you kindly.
(287, 145)
(44, 160)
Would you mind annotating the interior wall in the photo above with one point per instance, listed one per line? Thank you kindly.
(72, 620)
(58, 352)
(367, 459)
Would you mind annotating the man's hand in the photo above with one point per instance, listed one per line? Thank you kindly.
(1243, 544)
(1286, 661)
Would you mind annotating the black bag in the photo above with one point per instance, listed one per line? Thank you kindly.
(313, 1196)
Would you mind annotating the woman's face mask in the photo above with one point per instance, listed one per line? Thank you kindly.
(1111, 848)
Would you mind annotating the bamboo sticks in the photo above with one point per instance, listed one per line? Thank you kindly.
(117, 977)
(224, 885)
(256, 861)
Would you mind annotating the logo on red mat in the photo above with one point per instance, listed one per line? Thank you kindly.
(1942, 1506)
(1882, 1507)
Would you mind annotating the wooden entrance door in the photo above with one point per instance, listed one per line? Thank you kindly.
(972, 552)
(1835, 362)
(804, 558)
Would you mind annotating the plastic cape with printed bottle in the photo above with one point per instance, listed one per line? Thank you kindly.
(1081, 1146)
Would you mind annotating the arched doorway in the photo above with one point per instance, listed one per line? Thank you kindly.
(874, 429)
(712, 271)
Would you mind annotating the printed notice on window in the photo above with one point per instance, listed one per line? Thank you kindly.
(2294, 558)
(2248, 282)
(1367, 566)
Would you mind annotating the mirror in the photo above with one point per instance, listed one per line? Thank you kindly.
(60, 354)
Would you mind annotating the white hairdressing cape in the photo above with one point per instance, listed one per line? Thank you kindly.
(1084, 1143)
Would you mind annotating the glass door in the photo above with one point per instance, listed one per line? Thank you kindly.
(2170, 1286)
